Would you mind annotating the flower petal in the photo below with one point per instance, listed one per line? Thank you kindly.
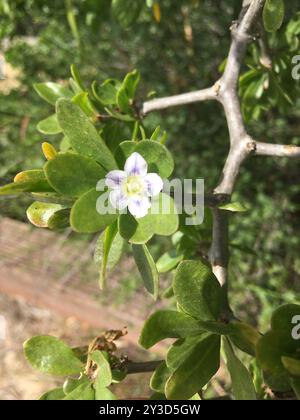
(136, 165)
(139, 206)
(115, 178)
(118, 200)
(154, 184)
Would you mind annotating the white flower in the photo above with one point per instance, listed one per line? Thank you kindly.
(133, 187)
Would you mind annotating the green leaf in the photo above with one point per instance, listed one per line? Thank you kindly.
(104, 375)
(51, 92)
(241, 381)
(279, 382)
(126, 92)
(123, 151)
(139, 231)
(147, 268)
(119, 116)
(76, 77)
(282, 318)
(197, 290)
(216, 327)
(83, 392)
(181, 350)
(59, 220)
(158, 157)
(168, 261)
(82, 134)
(30, 181)
(65, 145)
(123, 101)
(53, 395)
(273, 14)
(244, 336)
(53, 198)
(109, 249)
(272, 347)
(234, 207)
(103, 394)
(83, 101)
(73, 175)
(196, 370)
(195, 397)
(159, 378)
(113, 133)
(106, 93)
(168, 324)
(126, 12)
(70, 383)
(49, 125)
(291, 365)
(84, 216)
(131, 82)
(157, 396)
(40, 213)
(51, 355)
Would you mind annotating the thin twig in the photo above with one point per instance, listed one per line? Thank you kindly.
(177, 100)
(142, 367)
(241, 144)
(277, 150)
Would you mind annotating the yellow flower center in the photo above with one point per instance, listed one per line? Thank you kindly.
(134, 185)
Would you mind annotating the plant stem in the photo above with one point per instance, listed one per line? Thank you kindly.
(141, 367)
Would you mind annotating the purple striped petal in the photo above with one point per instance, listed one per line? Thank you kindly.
(139, 207)
(154, 184)
(115, 178)
(136, 165)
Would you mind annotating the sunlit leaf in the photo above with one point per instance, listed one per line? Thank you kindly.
(51, 355)
(197, 290)
(82, 134)
(51, 92)
(168, 324)
(241, 381)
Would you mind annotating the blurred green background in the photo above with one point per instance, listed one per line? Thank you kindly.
(182, 51)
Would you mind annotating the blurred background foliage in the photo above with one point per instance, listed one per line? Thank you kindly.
(179, 47)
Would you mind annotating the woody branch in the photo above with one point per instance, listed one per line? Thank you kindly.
(225, 91)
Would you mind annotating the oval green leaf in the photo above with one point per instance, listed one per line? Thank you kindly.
(197, 290)
(49, 125)
(272, 347)
(39, 213)
(82, 134)
(159, 378)
(51, 92)
(104, 375)
(241, 381)
(51, 355)
(168, 324)
(282, 318)
(196, 371)
(73, 175)
(273, 14)
(84, 216)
